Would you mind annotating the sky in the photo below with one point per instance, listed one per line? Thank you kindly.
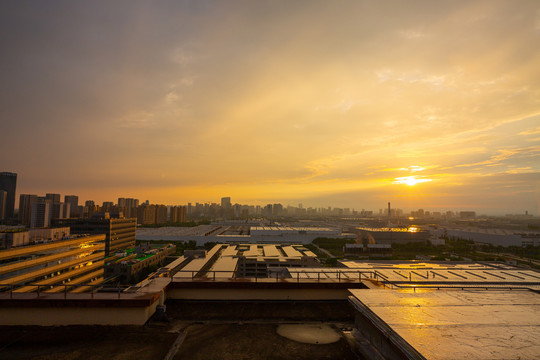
(427, 104)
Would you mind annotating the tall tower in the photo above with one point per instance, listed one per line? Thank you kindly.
(8, 183)
(388, 214)
(25, 208)
(226, 202)
(3, 196)
(73, 201)
(55, 198)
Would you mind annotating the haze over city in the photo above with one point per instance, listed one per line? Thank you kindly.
(348, 104)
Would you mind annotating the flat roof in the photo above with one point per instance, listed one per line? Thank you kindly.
(253, 251)
(271, 250)
(410, 229)
(195, 265)
(173, 231)
(224, 267)
(461, 324)
(451, 274)
(230, 251)
(291, 251)
(415, 264)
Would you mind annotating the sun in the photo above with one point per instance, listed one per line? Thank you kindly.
(410, 180)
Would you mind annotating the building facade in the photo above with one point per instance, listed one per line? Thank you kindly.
(55, 266)
(41, 214)
(73, 201)
(119, 232)
(25, 208)
(8, 183)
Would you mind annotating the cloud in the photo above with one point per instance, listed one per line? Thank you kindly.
(413, 34)
(531, 131)
(218, 96)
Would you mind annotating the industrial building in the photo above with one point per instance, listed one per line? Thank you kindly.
(446, 274)
(367, 250)
(54, 266)
(393, 235)
(496, 237)
(398, 309)
(120, 232)
(241, 234)
(226, 261)
(14, 236)
(128, 265)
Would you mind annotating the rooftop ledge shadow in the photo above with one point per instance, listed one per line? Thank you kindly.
(264, 284)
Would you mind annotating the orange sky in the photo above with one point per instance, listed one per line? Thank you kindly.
(341, 103)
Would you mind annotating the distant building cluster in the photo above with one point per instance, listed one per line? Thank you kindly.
(203, 234)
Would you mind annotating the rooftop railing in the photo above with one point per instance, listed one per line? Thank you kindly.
(303, 275)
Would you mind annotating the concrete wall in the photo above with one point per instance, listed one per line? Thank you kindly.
(53, 316)
(257, 294)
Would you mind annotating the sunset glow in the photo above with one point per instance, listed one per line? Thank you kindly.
(292, 102)
(410, 180)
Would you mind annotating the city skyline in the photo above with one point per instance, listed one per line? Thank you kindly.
(68, 198)
(426, 105)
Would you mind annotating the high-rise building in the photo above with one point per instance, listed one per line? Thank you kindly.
(8, 183)
(161, 214)
(25, 208)
(146, 214)
(73, 201)
(128, 206)
(177, 214)
(41, 214)
(55, 198)
(226, 202)
(267, 211)
(3, 198)
(60, 210)
(467, 214)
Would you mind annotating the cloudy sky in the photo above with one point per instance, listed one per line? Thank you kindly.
(432, 104)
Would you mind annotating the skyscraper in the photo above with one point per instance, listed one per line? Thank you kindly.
(226, 202)
(73, 200)
(25, 208)
(55, 198)
(3, 196)
(8, 183)
(41, 214)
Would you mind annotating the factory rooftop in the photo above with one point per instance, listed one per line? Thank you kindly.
(224, 261)
(240, 234)
(450, 324)
(410, 229)
(446, 274)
